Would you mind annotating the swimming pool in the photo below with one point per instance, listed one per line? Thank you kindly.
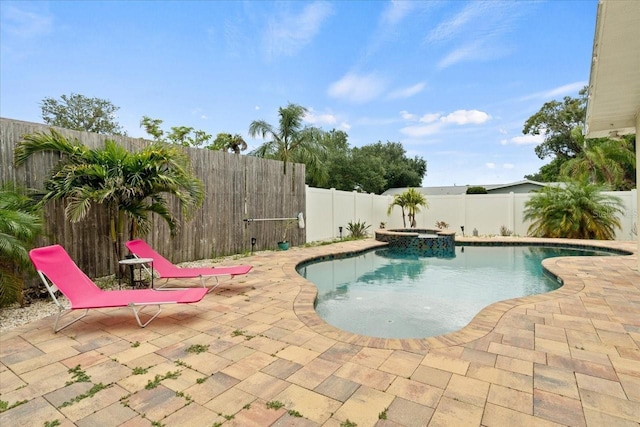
(392, 293)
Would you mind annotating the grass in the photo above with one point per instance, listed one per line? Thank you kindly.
(92, 392)
(197, 348)
(159, 378)
(78, 375)
(4, 405)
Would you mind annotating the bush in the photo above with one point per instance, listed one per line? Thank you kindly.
(476, 190)
(441, 225)
(504, 231)
(357, 230)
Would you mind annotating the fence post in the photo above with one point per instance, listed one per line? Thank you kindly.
(512, 212)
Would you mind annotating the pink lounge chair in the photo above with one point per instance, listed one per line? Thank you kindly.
(166, 270)
(58, 272)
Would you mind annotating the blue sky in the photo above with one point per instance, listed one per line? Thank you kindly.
(453, 81)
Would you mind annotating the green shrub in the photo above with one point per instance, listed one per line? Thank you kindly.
(358, 230)
(476, 190)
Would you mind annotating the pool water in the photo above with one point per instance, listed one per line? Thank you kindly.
(391, 293)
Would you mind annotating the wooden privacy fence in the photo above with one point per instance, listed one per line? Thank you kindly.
(236, 187)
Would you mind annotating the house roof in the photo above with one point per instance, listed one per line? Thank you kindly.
(614, 83)
(462, 189)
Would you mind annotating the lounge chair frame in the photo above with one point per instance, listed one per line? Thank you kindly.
(180, 273)
(85, 295)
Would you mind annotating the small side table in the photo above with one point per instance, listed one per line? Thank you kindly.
(132, 262)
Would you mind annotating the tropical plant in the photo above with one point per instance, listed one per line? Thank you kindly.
(285, 227)
(129, 185)
(77, 112)
(179, 135)
(291, 142)
(504, 231)
(411, 200)
(578, 211)
(442, 225)
(357, 229)
(227, 142)
(20, 224)
(602, 161)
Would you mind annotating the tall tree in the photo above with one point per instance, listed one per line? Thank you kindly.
(291, 141)
(227, 142)
(400, 171)
(20, 224)
(556, 121)
(77, 112)
(179, 135)
(547, 173)
(578, 211)
(129, 185)
(349, 169)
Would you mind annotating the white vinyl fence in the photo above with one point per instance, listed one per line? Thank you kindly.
(327, 210)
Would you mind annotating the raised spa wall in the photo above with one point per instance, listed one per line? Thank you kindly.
(428, 241)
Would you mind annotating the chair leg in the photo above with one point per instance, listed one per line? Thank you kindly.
(137, 312)
(204, 279)
(63, 312)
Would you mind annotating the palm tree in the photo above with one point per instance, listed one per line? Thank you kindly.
(399, 199)
(414, 199)
(578, 211)
(600, 162)
(129, 185)
(20, 224)
(227, 142)
(291, 142)
(411, 200)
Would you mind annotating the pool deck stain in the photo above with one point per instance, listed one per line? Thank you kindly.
(569, 357)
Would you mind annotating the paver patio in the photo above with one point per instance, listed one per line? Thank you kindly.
(570, 357)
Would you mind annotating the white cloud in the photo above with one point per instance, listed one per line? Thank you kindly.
(430, 117)
(407, 115)
(508, 166)
(451, 27)
(21, 23)
(287, 34)
(477, 31)
(563, 90)
(502, 131)
(527, 139)
(407, 92)
(421, 131)
(396, 11)
(357, 89)
(463, 117)
(490, 165)
(257, 107)
(345, 126)
(320, 119)
(435, 122)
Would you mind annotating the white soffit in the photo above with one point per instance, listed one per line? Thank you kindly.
(614, 84)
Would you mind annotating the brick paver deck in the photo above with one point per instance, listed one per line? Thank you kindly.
(571, 357)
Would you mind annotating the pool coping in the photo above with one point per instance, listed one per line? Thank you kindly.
(482, 323)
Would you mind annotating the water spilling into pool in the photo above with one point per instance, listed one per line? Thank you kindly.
(395, 293)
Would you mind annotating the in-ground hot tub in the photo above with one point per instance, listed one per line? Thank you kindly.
(430, 242)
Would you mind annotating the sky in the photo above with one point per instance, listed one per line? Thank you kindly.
(452, 81)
